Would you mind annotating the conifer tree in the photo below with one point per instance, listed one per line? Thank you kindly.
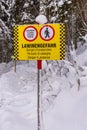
(4, 30)
(26, 11)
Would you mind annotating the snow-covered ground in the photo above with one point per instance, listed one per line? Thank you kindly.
(64, 107)
(69, 112)
(18, 99)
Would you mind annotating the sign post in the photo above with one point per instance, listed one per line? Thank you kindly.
(39, 42)
(39, 93)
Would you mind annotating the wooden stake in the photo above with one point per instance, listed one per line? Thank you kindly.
(14, 65)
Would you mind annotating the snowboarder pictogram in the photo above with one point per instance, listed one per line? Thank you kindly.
(46, 32)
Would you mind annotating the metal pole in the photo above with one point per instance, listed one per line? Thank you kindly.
(39, 96)
(39, 100)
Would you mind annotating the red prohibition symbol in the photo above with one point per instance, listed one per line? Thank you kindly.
(47, 33)
(30, 33)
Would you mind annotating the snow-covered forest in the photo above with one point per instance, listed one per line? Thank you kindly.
(63, 83)
(71, 12)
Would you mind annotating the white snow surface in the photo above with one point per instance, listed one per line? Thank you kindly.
(41, 19)
(69, 112)
(60, 3)
(64, 108)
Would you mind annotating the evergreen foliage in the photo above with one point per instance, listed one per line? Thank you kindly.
(25, 11)
(5, 32)
(71, 12)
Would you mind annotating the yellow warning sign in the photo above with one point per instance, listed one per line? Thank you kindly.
(39, 42)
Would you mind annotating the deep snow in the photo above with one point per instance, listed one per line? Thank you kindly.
(64, 107)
